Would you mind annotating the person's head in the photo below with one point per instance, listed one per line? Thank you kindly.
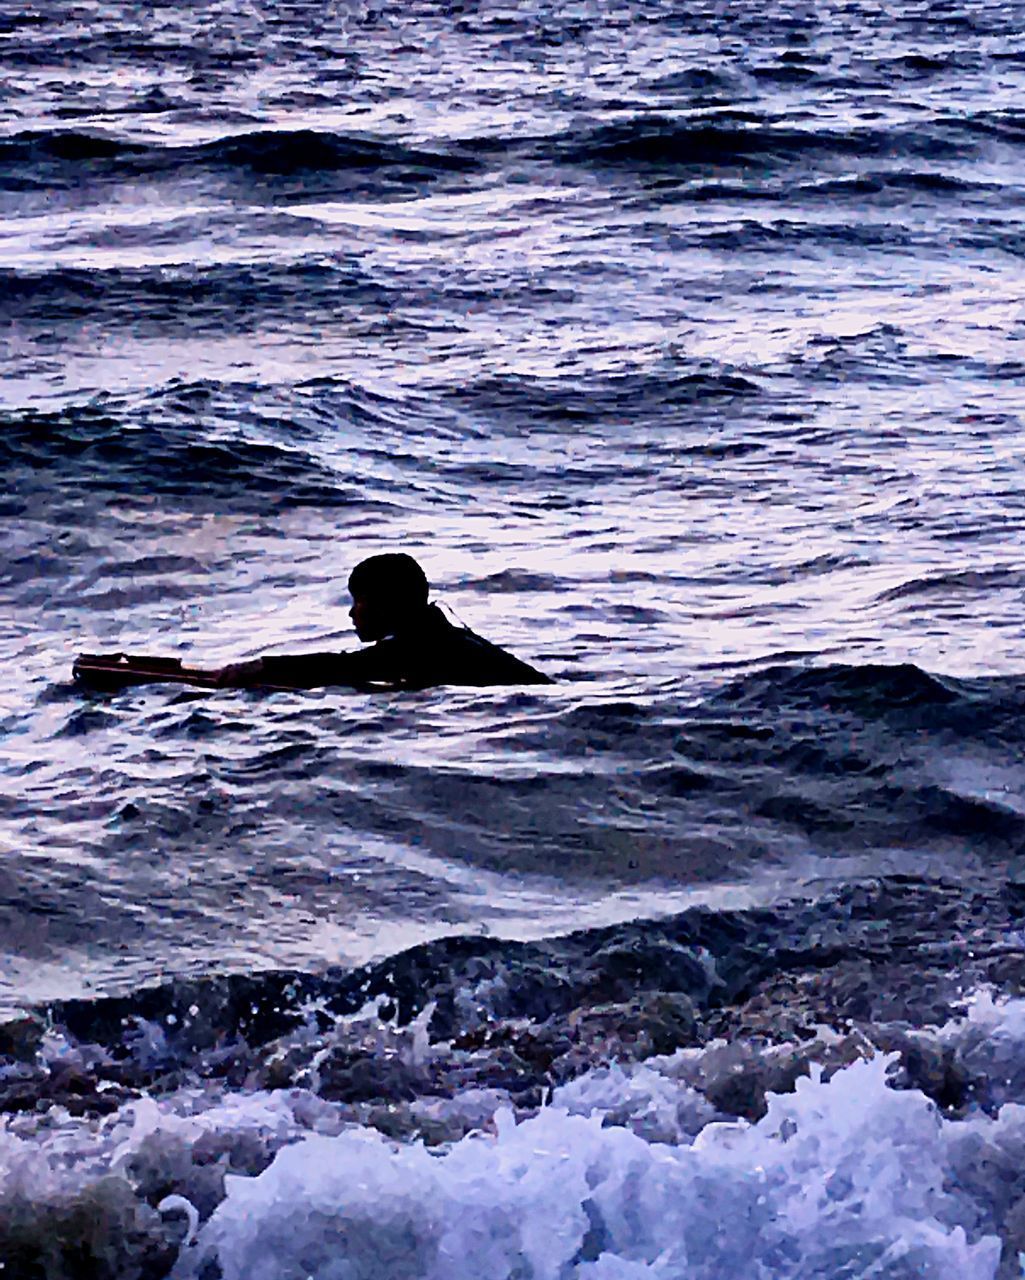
(386, 590)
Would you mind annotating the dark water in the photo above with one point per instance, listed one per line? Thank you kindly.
(682, 345)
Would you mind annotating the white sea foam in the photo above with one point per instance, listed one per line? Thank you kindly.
(629, 1171)
(841, 1178)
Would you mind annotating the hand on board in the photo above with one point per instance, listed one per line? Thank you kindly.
(240, 675)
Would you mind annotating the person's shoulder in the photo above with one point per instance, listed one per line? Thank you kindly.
(438, 652)
(489, 663)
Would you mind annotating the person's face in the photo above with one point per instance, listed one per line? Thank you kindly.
(369, 619)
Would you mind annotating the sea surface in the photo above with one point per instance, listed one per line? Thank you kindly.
(684, 345)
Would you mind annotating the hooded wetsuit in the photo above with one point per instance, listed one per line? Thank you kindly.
(427, 651)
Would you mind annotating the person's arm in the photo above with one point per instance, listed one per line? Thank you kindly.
(304, 671)
(298, 671)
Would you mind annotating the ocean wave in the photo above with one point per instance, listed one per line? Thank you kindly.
(69, 145)
(888, 766)
(955, 583)
(548, 1194)
(923, 66)
(282, 1184)
(462, 988)
(732, 137)
(760, 235)
(1008, 125)
(898, 181)
(893, 183)
(56, 157)
(701, 81)
(512, 581)
(287, 151)
(105, 450)
(867, 689)
(599, 401)
(167, 300)
(632, 1049)
(837, 761)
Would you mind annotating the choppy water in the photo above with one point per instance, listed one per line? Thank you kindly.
(682, 346)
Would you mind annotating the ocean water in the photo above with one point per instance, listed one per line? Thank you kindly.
(683, 346)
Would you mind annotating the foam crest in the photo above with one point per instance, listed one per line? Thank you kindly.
(841, 1173)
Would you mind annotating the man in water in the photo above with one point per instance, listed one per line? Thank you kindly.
(415, 646)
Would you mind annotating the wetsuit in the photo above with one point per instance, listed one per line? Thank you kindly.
(427, 651)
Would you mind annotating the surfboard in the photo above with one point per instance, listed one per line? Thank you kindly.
(110, 671)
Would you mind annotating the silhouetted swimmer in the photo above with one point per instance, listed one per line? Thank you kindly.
(413, 644)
